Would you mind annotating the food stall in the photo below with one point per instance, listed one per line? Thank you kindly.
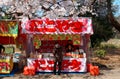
(8, 34)
(42, 35)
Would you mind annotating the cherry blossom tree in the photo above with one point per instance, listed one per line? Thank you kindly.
(51, 8)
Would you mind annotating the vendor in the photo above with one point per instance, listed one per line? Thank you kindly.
(58, 54)
(2, 49)
(69, 47)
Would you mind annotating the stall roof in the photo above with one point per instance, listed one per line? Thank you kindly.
(57, 26)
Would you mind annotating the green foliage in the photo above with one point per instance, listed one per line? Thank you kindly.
(102, 31)
(100, 53)
(108, 46)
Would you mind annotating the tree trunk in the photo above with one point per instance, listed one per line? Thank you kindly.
(112, 19)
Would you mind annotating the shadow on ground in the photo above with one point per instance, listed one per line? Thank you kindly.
(102, 66)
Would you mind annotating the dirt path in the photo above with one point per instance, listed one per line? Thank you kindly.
(104, 74)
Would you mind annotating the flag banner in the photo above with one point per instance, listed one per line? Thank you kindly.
(8, 28)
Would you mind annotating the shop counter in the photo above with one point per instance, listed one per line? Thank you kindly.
(68, 64)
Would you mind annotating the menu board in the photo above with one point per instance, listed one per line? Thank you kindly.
(45, 43)
(48, 45)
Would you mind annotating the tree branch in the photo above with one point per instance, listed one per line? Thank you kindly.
(112, 19)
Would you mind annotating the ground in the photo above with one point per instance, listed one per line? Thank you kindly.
(109, 69)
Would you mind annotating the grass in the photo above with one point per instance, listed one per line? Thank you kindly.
(104, 48)
(108, 46)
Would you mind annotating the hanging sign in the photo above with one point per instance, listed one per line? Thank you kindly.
(8, 28)
(59, 26)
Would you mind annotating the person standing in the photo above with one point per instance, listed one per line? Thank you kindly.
(2, 49)
(58, 55)
(69, 47)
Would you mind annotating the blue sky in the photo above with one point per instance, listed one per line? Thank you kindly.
(117, 2)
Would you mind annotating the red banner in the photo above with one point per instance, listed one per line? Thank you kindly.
(49, 26)
(68, 65)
